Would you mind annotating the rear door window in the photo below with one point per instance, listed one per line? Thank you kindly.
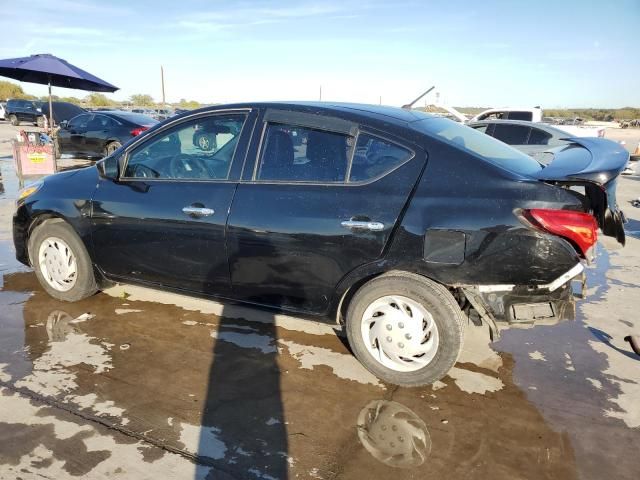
(375, 157)
(302, 154)
(511, 134)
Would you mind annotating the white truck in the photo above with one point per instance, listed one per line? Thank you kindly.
(534, 114)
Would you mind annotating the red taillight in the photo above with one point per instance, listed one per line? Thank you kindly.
(579, 228)
(137, 131)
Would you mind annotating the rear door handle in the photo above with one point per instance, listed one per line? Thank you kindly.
(198, 211)
(363, 225)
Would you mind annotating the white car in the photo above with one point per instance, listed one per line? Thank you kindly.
(2, 111)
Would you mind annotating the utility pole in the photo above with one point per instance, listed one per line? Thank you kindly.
(162, 80)
(380, 99)
(320, 92)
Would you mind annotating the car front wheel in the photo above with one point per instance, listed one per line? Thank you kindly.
(14, 120)
(61, 262)
(405, 329)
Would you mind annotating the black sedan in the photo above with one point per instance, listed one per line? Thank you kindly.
(398, 224)
(98, 134)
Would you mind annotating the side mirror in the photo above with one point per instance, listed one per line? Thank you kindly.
(64, 124)
(109, 167)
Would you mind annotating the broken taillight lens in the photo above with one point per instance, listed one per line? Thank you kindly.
(581, 229)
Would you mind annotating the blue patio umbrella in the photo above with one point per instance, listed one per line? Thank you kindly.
(49, 70)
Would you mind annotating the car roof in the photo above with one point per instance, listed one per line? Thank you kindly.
(394, 115)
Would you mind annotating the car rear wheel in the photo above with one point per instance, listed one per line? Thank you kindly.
(61, 262)
(111, 147)
(405, 329)
(14, 120)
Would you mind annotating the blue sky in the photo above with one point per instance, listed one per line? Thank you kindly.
(477, 53)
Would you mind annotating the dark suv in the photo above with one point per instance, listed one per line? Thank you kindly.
(18, 111)
(398, 224)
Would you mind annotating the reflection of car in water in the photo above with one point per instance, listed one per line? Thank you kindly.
(393, 434)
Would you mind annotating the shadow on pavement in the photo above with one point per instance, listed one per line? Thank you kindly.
(243, 429)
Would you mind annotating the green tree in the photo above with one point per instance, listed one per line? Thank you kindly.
(142, 100)
(99, 100)
(74, 100)
(188, 104)
(11, 90)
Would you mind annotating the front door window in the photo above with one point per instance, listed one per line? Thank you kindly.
(199, 149)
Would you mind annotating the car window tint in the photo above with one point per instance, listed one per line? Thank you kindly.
(375, 157)
(480, 128)
(511, 134)
(539, 137)
(484, 146)
(526, 116)
(198, 149)
(81, 121)
(301, 154)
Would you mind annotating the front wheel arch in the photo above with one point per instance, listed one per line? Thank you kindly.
(36, 222)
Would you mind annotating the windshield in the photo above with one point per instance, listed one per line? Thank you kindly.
(480, 144)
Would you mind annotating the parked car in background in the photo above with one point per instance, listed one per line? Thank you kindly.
(531, 138)
(144, 111)
(18, 110)
(62, 111)
(535, 114)
(2, 105)
(162, 113)
(97, 134)
(351, 223)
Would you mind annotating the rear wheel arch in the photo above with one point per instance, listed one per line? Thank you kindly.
(345, 295)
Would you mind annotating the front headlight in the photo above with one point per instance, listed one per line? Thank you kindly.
(28, 191)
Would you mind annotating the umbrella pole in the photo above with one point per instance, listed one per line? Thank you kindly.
(55, 161)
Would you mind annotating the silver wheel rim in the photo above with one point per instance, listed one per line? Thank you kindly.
(204, 143)
(57, 264)
(393, 434)
(399, 333)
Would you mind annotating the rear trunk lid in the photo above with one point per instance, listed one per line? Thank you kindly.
(595, 164)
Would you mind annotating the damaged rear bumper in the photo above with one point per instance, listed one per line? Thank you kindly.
(523, 305)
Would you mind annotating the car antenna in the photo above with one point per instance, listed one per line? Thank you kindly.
(409, 105)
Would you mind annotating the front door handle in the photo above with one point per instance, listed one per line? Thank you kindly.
(363, 225)
(198, 211)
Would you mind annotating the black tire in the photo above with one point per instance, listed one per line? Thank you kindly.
(111, 147)
(437, 300)
(13, 120)
(85, 283)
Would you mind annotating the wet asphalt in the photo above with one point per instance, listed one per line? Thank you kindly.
(137, 384)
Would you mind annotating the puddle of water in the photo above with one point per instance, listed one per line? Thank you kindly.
(565, 376)
(265, 409)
